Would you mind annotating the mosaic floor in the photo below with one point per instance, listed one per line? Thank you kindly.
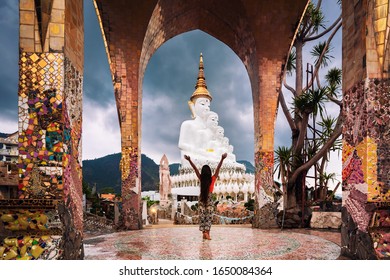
(228, 243)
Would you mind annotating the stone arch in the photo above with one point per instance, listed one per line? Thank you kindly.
(133, 32)
(232, 29)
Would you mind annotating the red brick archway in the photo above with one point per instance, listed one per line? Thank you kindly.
(133, 32)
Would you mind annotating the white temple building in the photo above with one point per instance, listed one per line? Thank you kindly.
(204, 141)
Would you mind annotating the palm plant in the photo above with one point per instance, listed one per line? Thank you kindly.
(283, 156)
(321, 50)
(308, 102)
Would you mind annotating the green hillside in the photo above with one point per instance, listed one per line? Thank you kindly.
(249, 166)
(104, 172)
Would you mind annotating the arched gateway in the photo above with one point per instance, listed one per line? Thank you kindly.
(47, 218)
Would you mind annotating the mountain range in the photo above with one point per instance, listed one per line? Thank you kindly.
(104, 172)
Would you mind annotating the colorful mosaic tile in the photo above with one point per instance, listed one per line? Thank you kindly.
(30, 248)
(367, 138)
(41, 132)
(381, 218)
(381, 241)
(72, 141)
(265, 205)
(264, 163)
(50, 119)
(30, 220)
(130, 189)
(366, 172)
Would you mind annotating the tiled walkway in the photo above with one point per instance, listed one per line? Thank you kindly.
(228, 242)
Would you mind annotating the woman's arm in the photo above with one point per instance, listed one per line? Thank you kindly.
(193, 166)
(220, 164)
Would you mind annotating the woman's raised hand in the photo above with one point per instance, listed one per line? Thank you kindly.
(224, 156)
(187, 157)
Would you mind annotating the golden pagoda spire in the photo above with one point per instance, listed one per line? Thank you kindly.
(201, 87)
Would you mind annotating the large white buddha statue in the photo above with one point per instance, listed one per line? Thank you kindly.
(201, 138)
(190, 138)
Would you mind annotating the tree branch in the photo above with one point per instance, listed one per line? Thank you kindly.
(302, 133)
(307, 39)
(318, 80)
(319, 4)
(285, 111)
(306, 166)
(289, 87)
(334, 100)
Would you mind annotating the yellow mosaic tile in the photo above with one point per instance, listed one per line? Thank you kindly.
(56, 29)
(51, 57)
(42, 63)
(34, 57)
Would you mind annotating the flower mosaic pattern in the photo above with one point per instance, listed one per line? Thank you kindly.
(265, 206)
(264, 163)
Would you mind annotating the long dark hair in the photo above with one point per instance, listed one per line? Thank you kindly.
(205, 181)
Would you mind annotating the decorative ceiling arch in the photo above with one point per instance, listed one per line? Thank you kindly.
(229, 25)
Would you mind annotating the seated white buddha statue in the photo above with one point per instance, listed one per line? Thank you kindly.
(225, 145)
(231, 157)
(209, 133)
(214, 147)
(190, 138)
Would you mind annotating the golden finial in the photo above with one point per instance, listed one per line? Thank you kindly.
(201, 87)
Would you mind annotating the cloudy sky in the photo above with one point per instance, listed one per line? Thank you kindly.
(169, 82)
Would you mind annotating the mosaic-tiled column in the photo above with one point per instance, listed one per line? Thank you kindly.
(46, 221)
(265, 108)
(265, 204)
(366, 131)
(123, 37)
(130, 215)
